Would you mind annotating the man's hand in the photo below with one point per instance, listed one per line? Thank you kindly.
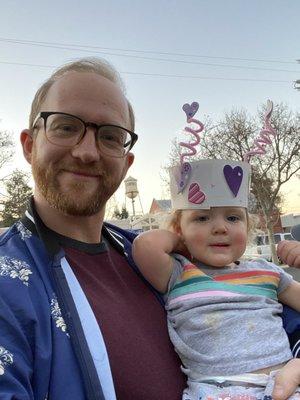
(287, 380)
(289, 252)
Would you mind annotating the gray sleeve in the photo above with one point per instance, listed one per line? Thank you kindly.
(285, 278)
(176, 272)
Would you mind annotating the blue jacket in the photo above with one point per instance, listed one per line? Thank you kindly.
(51, 346)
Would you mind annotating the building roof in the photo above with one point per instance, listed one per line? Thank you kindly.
(165, 205)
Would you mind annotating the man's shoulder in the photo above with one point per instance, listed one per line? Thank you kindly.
(17, 233)
(17, 260)
(125, 234)
(8, 235)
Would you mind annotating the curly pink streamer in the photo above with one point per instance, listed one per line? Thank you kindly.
(264, 137)
(191, 146)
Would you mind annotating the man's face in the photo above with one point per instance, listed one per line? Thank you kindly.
(79, 180)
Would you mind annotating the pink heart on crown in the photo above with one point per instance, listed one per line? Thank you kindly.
(196, 196)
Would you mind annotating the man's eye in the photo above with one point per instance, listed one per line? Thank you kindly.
(110, 137)
(68, 127)
(65, 128)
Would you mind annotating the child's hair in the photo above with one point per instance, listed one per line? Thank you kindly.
(172, 223)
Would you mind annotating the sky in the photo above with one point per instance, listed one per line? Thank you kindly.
(222, 54)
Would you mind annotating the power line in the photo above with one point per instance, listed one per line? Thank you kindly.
(40, 44)
(27, 64)
(164, 75)
(147, 51)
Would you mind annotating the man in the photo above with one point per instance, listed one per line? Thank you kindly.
(77, 319)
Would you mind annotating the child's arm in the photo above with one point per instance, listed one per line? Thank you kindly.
(291, 296)
(151, 252)
(289, 252)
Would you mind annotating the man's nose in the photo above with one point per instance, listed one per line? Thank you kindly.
(87, 150)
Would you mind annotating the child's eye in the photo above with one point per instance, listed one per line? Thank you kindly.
(202, 218)
(233, 218)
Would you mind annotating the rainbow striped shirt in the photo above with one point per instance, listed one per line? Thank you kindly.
(225, 321)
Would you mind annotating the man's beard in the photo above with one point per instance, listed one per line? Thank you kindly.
(73, 202)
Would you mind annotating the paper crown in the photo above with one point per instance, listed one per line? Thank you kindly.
(214, 183)
(210, 183)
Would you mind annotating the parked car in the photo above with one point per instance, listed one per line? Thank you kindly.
(295, 232)
(251, 252)
(263, 245)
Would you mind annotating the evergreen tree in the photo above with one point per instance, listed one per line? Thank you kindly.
(18, 193)
(121, 215)
(124, 213)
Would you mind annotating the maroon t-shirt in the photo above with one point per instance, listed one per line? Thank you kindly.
(133, 323)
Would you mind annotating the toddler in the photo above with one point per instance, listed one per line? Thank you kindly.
(223, 312)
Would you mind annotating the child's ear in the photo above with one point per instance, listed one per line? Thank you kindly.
(177, 229)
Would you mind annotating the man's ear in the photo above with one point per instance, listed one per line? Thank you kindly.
(130, 159)
(128, 162)
(27, 144)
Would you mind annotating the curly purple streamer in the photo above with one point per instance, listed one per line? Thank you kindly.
(264, 137)
(191, 146)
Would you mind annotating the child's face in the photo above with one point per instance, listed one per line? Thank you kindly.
(216, 237)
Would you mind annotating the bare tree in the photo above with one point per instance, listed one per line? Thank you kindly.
(234, 135)
(6, 148)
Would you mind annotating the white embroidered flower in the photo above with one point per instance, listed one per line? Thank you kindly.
(57, 316)
(15, 269)
(5, 358)
(24, 232)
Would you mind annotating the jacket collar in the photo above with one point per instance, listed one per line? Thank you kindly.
(34, 223)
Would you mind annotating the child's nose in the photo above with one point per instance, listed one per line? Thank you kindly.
(219, 226)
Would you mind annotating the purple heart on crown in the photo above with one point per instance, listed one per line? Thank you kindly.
(190, 109)
(183, 176)
(234, 177)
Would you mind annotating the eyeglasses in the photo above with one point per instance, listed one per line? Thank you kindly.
(67, 130)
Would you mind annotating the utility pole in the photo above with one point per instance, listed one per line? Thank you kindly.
(297, 82)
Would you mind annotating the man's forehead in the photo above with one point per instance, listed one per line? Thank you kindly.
(83, 80)
(86, 88)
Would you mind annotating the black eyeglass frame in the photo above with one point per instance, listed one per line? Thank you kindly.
(45, 114)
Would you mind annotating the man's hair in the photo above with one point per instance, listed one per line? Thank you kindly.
(89, 64)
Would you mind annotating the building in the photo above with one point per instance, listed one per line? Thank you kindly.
(276, 220)
(158, 206)
(155, 219)
(289, 220)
